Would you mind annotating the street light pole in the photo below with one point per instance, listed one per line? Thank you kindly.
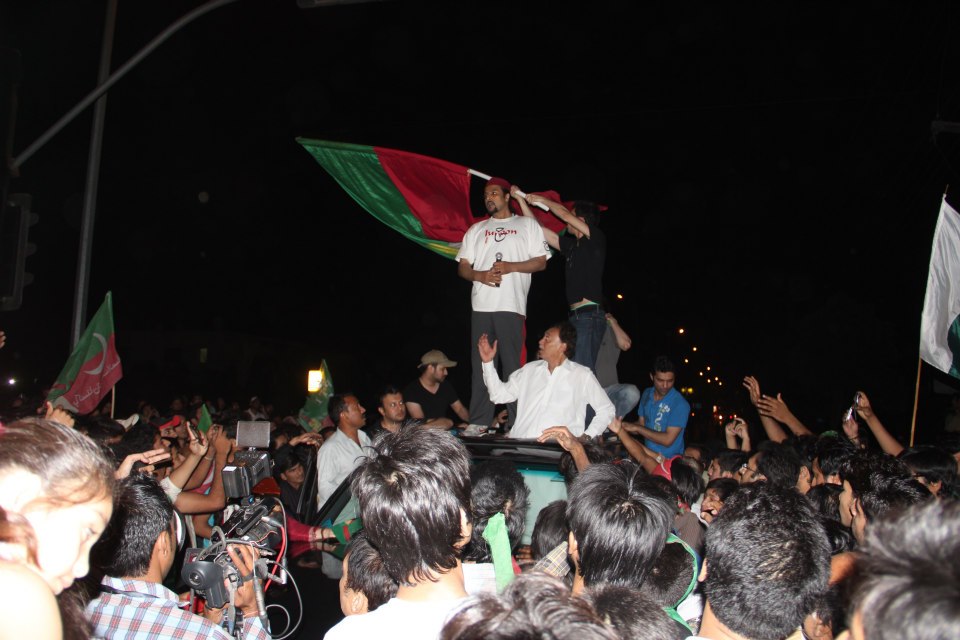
(93, 180)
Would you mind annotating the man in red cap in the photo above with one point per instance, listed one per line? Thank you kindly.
(498, 255)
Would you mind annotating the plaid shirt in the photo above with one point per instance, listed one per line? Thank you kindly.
(147, 611)
(555, 563)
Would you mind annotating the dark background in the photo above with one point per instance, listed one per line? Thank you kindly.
(770, 171)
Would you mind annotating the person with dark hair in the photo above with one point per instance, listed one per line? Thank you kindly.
(392, 412)
(662, 413)
(56, 497)
(767, 560)
(672, 581)
(688, 487)
(714, 496)
(778, 464)
(136, 554)
(726, 464)
(874, 483)
(633, 613)
(830, 453)
(584, 246)
(365, 583)
(535, 605)
(498, 490)
(430, 397)
(549, 529)
(498, 256)
(619, 521)
(907, 581)
(825, 498)
(934, 468)
(413, 493)
(340, 454)
(551, 391)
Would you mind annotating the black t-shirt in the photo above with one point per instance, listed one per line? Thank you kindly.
(584, 271)
(434, 405)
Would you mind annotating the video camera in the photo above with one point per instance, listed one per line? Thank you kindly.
(250, 464)
(255, 521)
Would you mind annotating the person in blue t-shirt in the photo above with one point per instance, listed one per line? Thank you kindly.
(662, 412)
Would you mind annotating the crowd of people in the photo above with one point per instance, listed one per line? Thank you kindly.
(775, 532)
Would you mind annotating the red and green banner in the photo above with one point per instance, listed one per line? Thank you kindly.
(425, 199)
(93, 367)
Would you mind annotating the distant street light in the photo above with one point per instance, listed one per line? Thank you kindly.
(314, 380)
(680, 330)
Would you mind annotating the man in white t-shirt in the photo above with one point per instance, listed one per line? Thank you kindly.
(498, 255)
(414, 498)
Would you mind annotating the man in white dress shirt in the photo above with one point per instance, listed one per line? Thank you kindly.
(552, 391)
(341, 452)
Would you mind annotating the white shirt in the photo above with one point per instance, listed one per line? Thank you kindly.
(398, 620)
(546, 399)
(516, 239)
(337, 458)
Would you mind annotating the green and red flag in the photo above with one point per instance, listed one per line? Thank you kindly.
(93, 368)
(204, 422)
(425, 199)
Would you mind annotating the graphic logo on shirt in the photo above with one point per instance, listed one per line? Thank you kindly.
(662, 410)
(500, 233)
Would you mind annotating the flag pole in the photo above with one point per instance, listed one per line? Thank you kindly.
(113, 401)
(916, 397)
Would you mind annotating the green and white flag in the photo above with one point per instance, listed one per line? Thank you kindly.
(940, 322)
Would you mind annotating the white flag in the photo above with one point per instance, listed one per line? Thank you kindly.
(939, 325)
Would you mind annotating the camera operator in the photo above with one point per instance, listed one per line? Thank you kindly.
(136, 554)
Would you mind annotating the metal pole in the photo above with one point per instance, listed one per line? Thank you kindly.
(93, 178)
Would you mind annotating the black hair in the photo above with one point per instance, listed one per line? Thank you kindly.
(138, 439)
(100, 428)
(767, 560)
(337, 404)
(830, 454)
(567, 334)
(672, 575)
(550, 529)
(730, 461)
(907, 582)
(387, 390)
(779, 464)
(596, 454)
(284, 459)
(632, 613)
(930, 465)
(142, 512)
(366, 573)
(880, 482)
(663, 364)
(534, 605)
(497, 488)
(412, 493)
(724, 487)
(587, 210)
(839, 536)
(620, 521)
(687, 480)
(825, 498)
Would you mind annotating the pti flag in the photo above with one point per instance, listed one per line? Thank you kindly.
(940, 322)
(425, 199)
(93, 367)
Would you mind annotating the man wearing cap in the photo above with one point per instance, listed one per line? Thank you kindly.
(498, 255)
(430, 396)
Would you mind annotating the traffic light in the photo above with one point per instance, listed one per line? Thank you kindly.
(15, 222)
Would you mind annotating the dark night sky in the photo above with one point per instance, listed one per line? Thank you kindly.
(770, 173)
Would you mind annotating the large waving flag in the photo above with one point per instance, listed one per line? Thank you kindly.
(93, 367)
(425, 199)
(940, 322)
(314, 410)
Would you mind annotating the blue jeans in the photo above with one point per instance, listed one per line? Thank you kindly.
(625, 397)
(590, 323)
